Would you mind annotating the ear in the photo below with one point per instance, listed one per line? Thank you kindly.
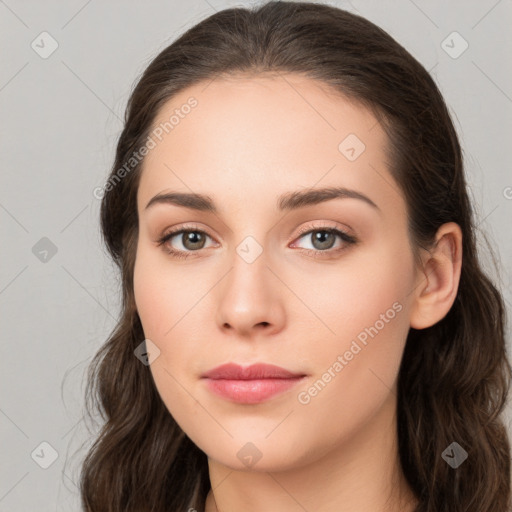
(438, 278)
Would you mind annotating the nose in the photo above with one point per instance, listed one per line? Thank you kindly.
(250, 299)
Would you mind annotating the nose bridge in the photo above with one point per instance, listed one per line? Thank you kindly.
(247, 284)
(249, 296)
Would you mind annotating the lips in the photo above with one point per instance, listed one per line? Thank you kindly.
(251, 385)
(233, 371)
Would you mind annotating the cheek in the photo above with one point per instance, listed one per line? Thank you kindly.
(162, 294)
(150, 297)
(167, 303)
(353, 295)
(162, 310)
(365, 307)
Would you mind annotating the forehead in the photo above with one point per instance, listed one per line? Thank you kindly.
(247, 135)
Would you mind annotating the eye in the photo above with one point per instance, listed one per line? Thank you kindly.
(323, 240)
(191, 239)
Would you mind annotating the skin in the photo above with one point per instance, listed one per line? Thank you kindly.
(249, 140)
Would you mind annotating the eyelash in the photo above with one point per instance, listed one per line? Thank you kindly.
(348, 239)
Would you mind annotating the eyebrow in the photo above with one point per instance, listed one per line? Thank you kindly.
(285, 202)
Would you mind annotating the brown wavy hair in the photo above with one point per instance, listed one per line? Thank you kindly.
(454, 376)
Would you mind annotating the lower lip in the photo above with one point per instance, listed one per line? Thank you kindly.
(250, 391)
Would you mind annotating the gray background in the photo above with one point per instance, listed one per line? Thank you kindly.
(61, 117)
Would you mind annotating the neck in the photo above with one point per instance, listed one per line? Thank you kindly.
(361, 473)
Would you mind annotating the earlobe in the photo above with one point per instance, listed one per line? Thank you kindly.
(438, 278)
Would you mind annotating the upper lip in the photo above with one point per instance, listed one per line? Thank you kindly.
(234, 371)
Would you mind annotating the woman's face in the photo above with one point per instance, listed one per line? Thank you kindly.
(260, 285)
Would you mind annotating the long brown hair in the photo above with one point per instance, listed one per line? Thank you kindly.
(454, 377)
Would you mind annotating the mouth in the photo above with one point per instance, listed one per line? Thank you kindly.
(250, 385)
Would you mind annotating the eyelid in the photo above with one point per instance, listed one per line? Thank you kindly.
(187, 226)
(326, 225)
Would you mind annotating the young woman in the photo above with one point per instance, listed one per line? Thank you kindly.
(305, 323)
